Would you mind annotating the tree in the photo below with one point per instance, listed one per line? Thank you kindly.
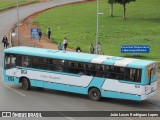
(124, 2)
(111, 6)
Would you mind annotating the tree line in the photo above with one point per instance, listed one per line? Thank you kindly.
(122, 2)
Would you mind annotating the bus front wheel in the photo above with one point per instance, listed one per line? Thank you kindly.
(25, 84)
(94, 94)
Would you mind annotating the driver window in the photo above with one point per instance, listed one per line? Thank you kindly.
(10, 61)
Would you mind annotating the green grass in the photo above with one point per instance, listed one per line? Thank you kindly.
(78, 24)
(7, 4)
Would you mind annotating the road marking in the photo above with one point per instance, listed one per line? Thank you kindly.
(154, 105)
(128, 118)
(15, 91)
(65, 116)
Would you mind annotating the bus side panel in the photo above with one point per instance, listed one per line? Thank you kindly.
(64, 87)
(97, 82)
(121, 89)
(61, 87)
(144, 79)
(40, 83)
(111, 94)
(33, 83)
(37, 83)
(11, 79)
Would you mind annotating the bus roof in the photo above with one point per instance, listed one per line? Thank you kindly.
(81, 57)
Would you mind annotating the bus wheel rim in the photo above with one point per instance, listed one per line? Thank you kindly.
(24, 84)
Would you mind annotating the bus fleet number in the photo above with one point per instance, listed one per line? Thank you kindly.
(10, 78)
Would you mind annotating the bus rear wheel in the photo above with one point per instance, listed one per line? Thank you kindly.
(94, 94)
(25, 84)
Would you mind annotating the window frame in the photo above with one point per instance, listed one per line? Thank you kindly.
(93, 69)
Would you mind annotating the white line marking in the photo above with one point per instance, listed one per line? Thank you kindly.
(65, 116)
(128, 118)
(15, 91)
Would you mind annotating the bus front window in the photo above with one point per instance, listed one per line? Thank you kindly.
(10, 61)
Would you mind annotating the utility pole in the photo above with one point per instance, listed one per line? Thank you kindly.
(97, 25)
(18, 39)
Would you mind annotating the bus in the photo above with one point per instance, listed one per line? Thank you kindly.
(90, 74)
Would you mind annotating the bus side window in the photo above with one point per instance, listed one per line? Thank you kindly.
(99, 71)
(117, 71)
(65, 65)
(112, 72)
(25, 61)
(132, 74)
(72, 67)
(139, 72)
(106, 72)
(18, 60)
(122, 71)
(92, 69)
(55, 63)
(59, 66)
(35, 62)
(80, 69)
(135, 77)
(86, 71)
(127, 74)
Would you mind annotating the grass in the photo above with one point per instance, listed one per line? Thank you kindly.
(78, 23)
(7, 4)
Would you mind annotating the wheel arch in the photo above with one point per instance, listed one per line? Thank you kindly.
(92, 88)
(20, 79)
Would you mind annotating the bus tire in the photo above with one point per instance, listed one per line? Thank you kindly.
(94, 94)
(25, 84)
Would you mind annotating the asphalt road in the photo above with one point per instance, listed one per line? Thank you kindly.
(13, 98)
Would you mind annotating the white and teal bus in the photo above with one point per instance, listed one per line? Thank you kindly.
(90, 74)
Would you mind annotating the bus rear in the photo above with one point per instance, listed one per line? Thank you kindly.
(150, 79)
